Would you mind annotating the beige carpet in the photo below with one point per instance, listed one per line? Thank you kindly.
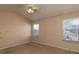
(34, 48)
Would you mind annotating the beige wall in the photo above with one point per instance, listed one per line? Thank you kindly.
(14, 29)
(51, 32)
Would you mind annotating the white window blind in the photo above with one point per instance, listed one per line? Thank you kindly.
(35, 29)
(71, 29)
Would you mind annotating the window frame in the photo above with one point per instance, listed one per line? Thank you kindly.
(35, 35)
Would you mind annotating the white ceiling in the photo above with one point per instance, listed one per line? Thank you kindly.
(45, 10)
(9, 7)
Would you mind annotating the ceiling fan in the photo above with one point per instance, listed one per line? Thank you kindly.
(30, 8)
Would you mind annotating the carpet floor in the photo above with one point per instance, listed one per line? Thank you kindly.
(34, 48)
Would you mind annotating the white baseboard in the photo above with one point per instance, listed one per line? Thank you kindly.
(58, 47)
(13, 45)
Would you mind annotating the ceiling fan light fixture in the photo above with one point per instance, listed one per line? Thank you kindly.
(31, 9)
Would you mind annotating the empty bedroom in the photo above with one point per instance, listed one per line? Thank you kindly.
(39, 28)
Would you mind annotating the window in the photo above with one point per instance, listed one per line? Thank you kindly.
(71, 29)
(35, 29)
